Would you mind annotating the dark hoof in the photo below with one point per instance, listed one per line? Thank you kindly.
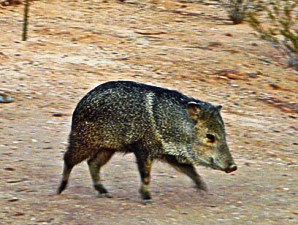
(147, 201)
(202, 186)
(146, 196)
(100, 188)
(62, 187)
(104, 195)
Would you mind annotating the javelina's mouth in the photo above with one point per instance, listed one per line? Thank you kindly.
(231, 168)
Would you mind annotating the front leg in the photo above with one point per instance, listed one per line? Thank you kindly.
(189, 170)
(144, 165)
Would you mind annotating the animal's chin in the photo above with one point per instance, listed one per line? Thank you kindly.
(201, 162)
(198, 161)
(205, 163)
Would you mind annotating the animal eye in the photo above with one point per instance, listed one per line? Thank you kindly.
(211, 138)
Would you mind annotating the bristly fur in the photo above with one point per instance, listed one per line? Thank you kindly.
(151, 122)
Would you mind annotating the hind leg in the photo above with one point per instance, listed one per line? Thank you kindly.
(95, 164)
(71, 158)
(65, 176)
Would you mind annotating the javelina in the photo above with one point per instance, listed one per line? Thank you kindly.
(151, 122)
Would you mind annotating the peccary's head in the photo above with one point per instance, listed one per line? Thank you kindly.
(210, 147)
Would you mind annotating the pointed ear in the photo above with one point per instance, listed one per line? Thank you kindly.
(193, 110)
(219, 107)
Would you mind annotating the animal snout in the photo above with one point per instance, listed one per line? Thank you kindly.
(231, 168)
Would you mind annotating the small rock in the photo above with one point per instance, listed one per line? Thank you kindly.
(4, 98)
(57, 115)
(252, 75)
(19, 214)
(286, 109)
(3, 56)
(282, 188)
(232, 74)
(14, 199)
(214, 44)
(266, 61)
(275, 86)
(247, 164)
(239, 203)
(15, 181)
(9, 169)
(234, 85)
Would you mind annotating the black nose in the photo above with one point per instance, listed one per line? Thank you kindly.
(231, 168)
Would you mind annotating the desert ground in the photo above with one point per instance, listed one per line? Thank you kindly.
(189, 46)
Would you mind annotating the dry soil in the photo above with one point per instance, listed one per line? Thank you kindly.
(192, 47)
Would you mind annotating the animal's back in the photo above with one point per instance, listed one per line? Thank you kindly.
(118, 113)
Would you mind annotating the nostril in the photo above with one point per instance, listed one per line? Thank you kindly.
(231, 168)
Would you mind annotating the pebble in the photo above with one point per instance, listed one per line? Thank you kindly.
(14, 199)
(6, 98)
(252, 75)
(9, 169)
(19, 214)
(274, 86)
(15, 181)
(57, 115)
(266, 61)
(239, 203)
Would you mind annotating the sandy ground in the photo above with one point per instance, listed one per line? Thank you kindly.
(74, 46)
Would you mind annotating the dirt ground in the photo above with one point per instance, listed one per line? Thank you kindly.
(192, 47)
